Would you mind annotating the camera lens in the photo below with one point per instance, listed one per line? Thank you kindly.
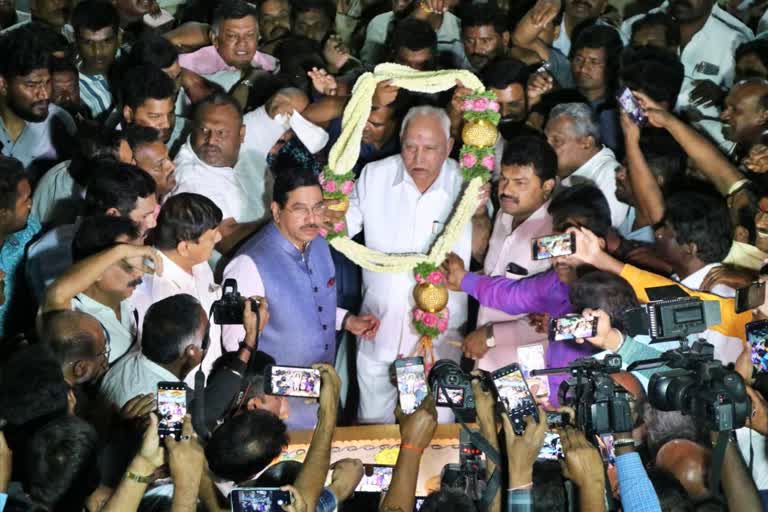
(668, 391)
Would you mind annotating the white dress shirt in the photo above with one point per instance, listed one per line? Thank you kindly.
(122, 332)
(133, 375)
(174, 281)
(709, 55)
(398, 218)
(600, 170)
(58, 197)
(507, 245)
(243, 193)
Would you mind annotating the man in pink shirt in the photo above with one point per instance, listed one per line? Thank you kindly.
(234, 38)
(528, 169)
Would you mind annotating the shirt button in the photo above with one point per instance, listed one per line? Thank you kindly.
(320, 308)
(325, 327)
(315, 289)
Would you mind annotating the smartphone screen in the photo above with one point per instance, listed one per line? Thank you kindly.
(292, 381)
(571, 327)
(605, 443)
(750, 297)
(448, 396)
(259, 499)
(171, 408)
(417, 505)
(375, 478)
(411, 383)
(553, 245)
(631, 106)
(552, 449)
(531, 357)
(514, 395)
(757, 336)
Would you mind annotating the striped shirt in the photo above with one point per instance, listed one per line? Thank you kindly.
(95, 94)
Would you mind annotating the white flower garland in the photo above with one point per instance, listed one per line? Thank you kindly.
(346, 150)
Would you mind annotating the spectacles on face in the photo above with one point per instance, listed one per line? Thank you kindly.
(304, 211)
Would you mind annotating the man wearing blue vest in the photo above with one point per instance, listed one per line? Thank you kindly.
(291, 265)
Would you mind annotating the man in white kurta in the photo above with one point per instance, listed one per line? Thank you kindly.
(403, 203)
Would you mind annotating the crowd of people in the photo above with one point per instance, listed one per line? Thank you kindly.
(149, 158)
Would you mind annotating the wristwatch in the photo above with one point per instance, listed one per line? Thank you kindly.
(490, 341)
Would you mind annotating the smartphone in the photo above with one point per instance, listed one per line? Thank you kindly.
(557, 419)
(515, 396)
(631, 106)
(515, 269)
(552, 449)
(376, 478)
(411, 382)
(750, 297)
(449, 396)
(553, 245)
(571, 327)
(171, 408)
(259, 499)
(291, 381)
(418, 503)
(605, 443)
(531, 357)
(757, 336)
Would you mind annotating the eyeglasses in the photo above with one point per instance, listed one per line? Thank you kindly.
(303, 211)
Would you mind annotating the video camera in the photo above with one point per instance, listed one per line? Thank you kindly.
(468, 476)
(601, 405)
(228, 310)
(699, 386)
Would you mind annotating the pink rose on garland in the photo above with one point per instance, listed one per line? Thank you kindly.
(468, 160)
(466, 105)
(489, 162)
(442, 324)
(418, 314)
(429, 319)
(435, 278)
(420, 279)
(339, 226)
(321, 179)
(330, 186)
(494, 105)
(347, 187)
(480, 104)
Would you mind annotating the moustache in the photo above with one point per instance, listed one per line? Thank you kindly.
(310, 226)
(209, 148)
(135, 283)
(582, 2)
(513, 199)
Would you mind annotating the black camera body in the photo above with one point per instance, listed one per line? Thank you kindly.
(448, 382)
(228, 310)
(601, 405)
(700, 386)
(469, 475)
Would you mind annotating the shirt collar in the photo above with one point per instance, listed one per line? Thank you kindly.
(164, 374)
(174, 273)
(287, 246)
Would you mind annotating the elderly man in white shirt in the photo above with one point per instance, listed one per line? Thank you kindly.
(215, 163)
(574, 134)
(709, 38)
(403, 203)
(185, 235)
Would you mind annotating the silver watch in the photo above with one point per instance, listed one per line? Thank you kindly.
(490, 340)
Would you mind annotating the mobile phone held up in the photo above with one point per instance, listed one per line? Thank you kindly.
(553, 245)
(411, 383)
(376, 478)
(259, 499)
(750, 297)
(631, 106)
(757, 337)
(514, 395)
(291, 381)
(572, 327)
(171, 408)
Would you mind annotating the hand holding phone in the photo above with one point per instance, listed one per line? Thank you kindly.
(292, 381)
(514, 395)
(375, 479)
(757, 337)
(572, 327)
(259, 499)
(631, 106)
(171, 408)
(750, 297)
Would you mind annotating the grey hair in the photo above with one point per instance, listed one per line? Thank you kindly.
(426, 110)
(583, 122)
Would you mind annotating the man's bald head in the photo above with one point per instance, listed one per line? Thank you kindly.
(78, 341)
(688, 462)
(745, 116)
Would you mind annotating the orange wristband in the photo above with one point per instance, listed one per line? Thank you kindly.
(407, 446)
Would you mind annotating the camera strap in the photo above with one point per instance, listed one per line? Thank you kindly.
(718, 454)
(477, 439)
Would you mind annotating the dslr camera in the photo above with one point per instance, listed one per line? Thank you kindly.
(699, 386)
(601, 405)
(451, 386)
(228, 310)
(468, 476)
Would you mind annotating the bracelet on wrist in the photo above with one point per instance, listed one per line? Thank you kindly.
(407, 446)
(244, 345)
(130, 475)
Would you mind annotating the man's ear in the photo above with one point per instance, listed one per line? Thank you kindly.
(691, 248)
(450, 145)
(183, 248)
(601, 242)
(588, 142)
(548, 187)
(214, 39)
(79, 370)
(275, 211)
(113, 212)
(128, 114)
(505, 38)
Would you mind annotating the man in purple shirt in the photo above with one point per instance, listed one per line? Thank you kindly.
(548, 292)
